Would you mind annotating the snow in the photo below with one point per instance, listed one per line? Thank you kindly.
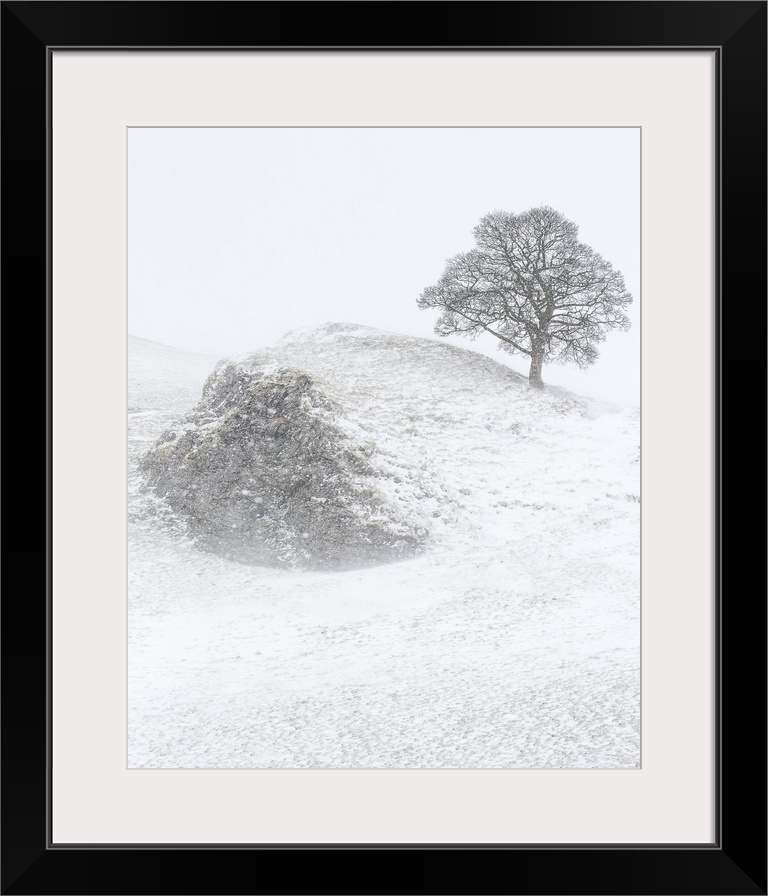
(512, 642)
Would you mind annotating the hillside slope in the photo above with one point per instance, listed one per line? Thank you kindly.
(512, 641)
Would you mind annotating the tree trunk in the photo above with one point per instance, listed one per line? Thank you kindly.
(534, 374)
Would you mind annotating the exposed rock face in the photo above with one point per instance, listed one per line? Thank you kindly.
(262, 471)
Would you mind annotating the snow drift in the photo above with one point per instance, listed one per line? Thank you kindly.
(509, 639)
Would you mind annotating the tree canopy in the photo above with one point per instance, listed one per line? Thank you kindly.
(531, 284)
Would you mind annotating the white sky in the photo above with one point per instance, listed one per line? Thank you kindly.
(236, 236)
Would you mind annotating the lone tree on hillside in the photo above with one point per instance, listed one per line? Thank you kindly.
(534, 286)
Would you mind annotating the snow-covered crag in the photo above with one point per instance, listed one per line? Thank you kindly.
(264, 471)
(320, 452)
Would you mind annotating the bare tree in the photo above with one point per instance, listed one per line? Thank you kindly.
(534, 286)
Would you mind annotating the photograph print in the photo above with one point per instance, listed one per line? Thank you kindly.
(384, 448)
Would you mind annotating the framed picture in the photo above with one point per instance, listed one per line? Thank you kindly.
(126, 127)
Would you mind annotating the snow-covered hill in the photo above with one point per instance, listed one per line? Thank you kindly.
(512, 641)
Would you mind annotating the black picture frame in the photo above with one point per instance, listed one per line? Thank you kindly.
(735, 863)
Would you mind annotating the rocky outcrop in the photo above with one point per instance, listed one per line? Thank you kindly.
(264, 471)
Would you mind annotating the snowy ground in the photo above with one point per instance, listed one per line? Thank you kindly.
(513, 642)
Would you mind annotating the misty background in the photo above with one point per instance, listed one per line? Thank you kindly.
(238, 235)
